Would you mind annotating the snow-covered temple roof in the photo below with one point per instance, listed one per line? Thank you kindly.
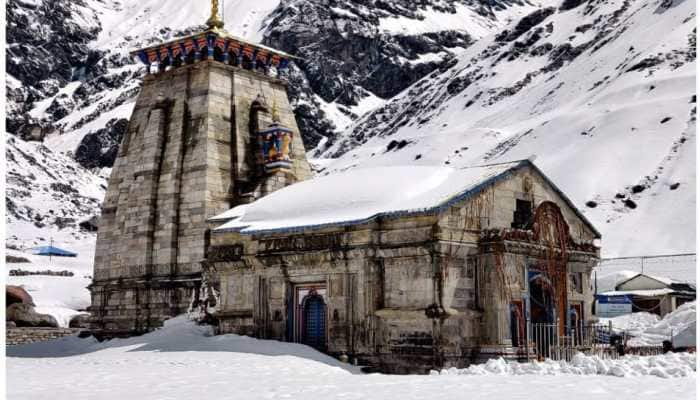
(360, 195)
(645, 281)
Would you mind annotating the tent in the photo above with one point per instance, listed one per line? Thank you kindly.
(52, 251)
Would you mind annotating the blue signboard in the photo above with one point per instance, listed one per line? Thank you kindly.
(612, 306)
(621, 299)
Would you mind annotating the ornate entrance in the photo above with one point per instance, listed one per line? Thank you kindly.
(541, 299)
(307, 319)
(314, 332)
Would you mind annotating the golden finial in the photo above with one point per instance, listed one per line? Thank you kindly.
(214, 22)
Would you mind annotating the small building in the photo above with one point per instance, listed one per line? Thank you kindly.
(643, 292)
(405, 268)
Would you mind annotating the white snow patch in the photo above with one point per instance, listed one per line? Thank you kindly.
(464, 18)
(633, 323)
(670, 365)
(62, 297)
(676, 322)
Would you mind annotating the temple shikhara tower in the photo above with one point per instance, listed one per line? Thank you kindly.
(211, 129)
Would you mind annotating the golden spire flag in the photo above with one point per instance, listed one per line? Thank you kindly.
(214, 20)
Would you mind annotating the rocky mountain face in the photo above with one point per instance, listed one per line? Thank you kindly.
(356, 54)
(46, 44)
(346, 57)
(69, 69)
(49, 196)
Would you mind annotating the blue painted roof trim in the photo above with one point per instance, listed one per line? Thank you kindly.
(431, 210)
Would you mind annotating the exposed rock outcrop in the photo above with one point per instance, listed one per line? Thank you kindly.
(24, 315)
(17, 294)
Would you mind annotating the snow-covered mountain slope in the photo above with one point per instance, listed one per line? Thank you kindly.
(49, 196)
(603, 94)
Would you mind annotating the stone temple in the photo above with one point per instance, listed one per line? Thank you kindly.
(212, 207)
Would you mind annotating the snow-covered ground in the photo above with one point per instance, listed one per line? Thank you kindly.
(669, 365)
(49, 196)
(183, 361)
(59, 296)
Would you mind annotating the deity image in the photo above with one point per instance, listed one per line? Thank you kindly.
(275, 145)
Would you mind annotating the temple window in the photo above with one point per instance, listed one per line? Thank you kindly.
(576, 282)
(275, 146)
(522, 216)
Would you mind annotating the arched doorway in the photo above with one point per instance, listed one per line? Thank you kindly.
(543, 328)
(517, 324)
(541, 299)
(314, 326)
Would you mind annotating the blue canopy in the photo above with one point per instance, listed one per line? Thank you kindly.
(52, 251)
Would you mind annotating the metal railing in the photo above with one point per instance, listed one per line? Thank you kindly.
(546, 341)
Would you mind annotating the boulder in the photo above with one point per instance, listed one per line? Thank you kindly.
(98, 149)
(79, 321)
(16, 260)
(90, 224)
(17, 294)
(24, 315)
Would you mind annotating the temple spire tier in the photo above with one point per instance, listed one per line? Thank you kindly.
(214, 44)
